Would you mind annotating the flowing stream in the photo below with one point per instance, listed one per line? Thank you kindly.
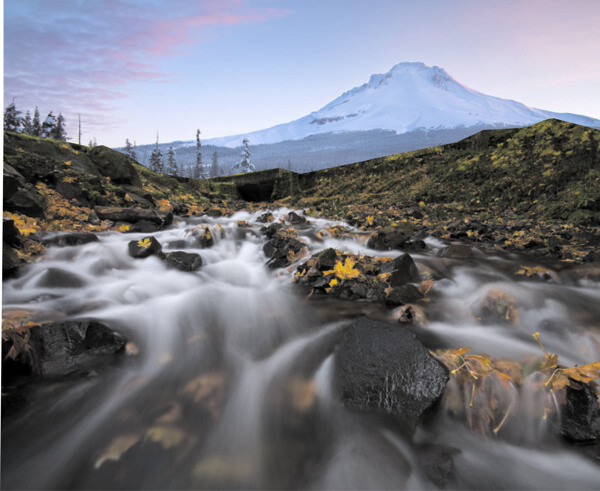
(228, 380)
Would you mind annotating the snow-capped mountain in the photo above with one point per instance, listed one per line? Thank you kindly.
(411, 96)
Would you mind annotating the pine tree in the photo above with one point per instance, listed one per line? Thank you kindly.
(214, 166)
(155, 162)
(48, 125)
(12, 121)
(27, 124)
(244, 165)
(58, 131)
(198, 172)
(130, 150)
(171, 163)
(35, 124)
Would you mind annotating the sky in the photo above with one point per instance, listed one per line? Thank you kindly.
(132, 69)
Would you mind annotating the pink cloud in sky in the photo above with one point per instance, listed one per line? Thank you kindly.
(78, 56)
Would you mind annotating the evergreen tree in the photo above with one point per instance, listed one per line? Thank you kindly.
(58, 132)
(171, 163)
(27, 124)
(155, 162)
(48, 125)
(130, 150)
(93, 143)
(198, 172)
(244, 165)
(12, 121)
(214, 166)
(36, 126)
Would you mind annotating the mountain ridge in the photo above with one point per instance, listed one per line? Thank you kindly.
(408, 97)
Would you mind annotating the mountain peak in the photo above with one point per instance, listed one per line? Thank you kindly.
(410, 96)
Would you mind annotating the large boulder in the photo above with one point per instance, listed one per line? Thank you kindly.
(57, 349)
(383, 368)
(115, 165)
(403, 270)
(20, 196)
(392, 237)
(580, 415)
(134, 215)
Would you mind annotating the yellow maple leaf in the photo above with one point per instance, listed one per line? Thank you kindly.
(344, 271)
(124, 228)
(144, 242)
(68, 162)
(370, 219)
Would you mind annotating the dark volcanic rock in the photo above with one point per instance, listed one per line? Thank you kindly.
(458, 251)
(296, 219)
(133, 215)
(57, 349)
(11, 262)
(580, 415)
(382, 368)
(10, 233)
(403, 269)
(145, 247)
(114, 165)
(183, 261)
(19, 195)
(392, 237)
(69, 239)
(327, 259)
(63, 348)
(277, 250)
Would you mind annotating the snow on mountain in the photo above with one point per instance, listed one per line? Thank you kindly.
(410, 96)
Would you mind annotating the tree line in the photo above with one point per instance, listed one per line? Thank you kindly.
(52, 127)
(196, 169)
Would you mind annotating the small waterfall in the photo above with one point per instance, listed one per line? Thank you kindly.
(229, 379)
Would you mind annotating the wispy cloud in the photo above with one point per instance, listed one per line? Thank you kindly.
(80, 56)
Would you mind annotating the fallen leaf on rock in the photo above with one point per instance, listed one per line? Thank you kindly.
(344, 271)
(144, 242)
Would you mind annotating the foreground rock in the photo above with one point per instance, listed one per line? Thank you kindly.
(352, 277)
(390, 238)
(580, 415)
(183, 261)
(159, 218)
(382, 368)
(57, 349)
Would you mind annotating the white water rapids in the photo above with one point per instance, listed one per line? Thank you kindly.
(234, 366)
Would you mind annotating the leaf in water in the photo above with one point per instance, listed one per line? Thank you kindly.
(167, 435)
(118, 447)
(425, 287)
(144, 242)
(208, 390)
(302, 393)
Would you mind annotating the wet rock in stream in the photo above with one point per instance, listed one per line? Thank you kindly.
(57, 349)
(383, 368)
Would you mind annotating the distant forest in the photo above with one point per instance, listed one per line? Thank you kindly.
(312, 153)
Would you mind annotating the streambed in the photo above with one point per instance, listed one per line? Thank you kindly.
(228, 378)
